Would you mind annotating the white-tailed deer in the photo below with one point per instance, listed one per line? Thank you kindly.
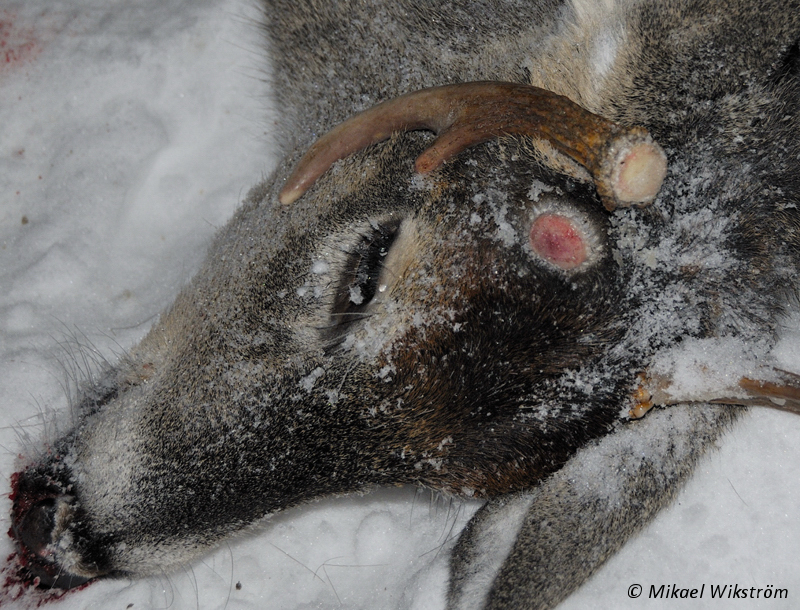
(488, 311)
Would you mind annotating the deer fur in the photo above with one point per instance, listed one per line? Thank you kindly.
(389, 329)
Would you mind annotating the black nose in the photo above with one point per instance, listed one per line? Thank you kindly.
(36, 526)
(34, 516)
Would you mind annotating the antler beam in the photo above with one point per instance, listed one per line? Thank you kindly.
(627, 166)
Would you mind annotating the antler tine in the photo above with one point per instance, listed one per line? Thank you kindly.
(627, 166)
(410, 112)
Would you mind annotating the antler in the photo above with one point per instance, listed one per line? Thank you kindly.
(627, 166)
(778, 390)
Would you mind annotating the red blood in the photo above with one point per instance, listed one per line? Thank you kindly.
(557, 240)
(18, 44)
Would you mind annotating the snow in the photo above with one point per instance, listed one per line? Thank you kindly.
(704, 369)
(130, 132)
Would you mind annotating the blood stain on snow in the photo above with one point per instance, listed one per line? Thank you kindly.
(18, 45)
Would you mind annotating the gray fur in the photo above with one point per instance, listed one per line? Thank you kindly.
(479, 370)
(576, 514)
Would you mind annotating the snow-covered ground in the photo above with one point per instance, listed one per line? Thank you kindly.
(129, 131)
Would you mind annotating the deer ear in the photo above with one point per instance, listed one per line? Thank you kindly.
(627, 166)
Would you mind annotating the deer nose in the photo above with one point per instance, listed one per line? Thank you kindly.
(34, 521)
(36, 526)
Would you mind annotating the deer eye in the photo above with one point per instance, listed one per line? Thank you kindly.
(360, 280)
